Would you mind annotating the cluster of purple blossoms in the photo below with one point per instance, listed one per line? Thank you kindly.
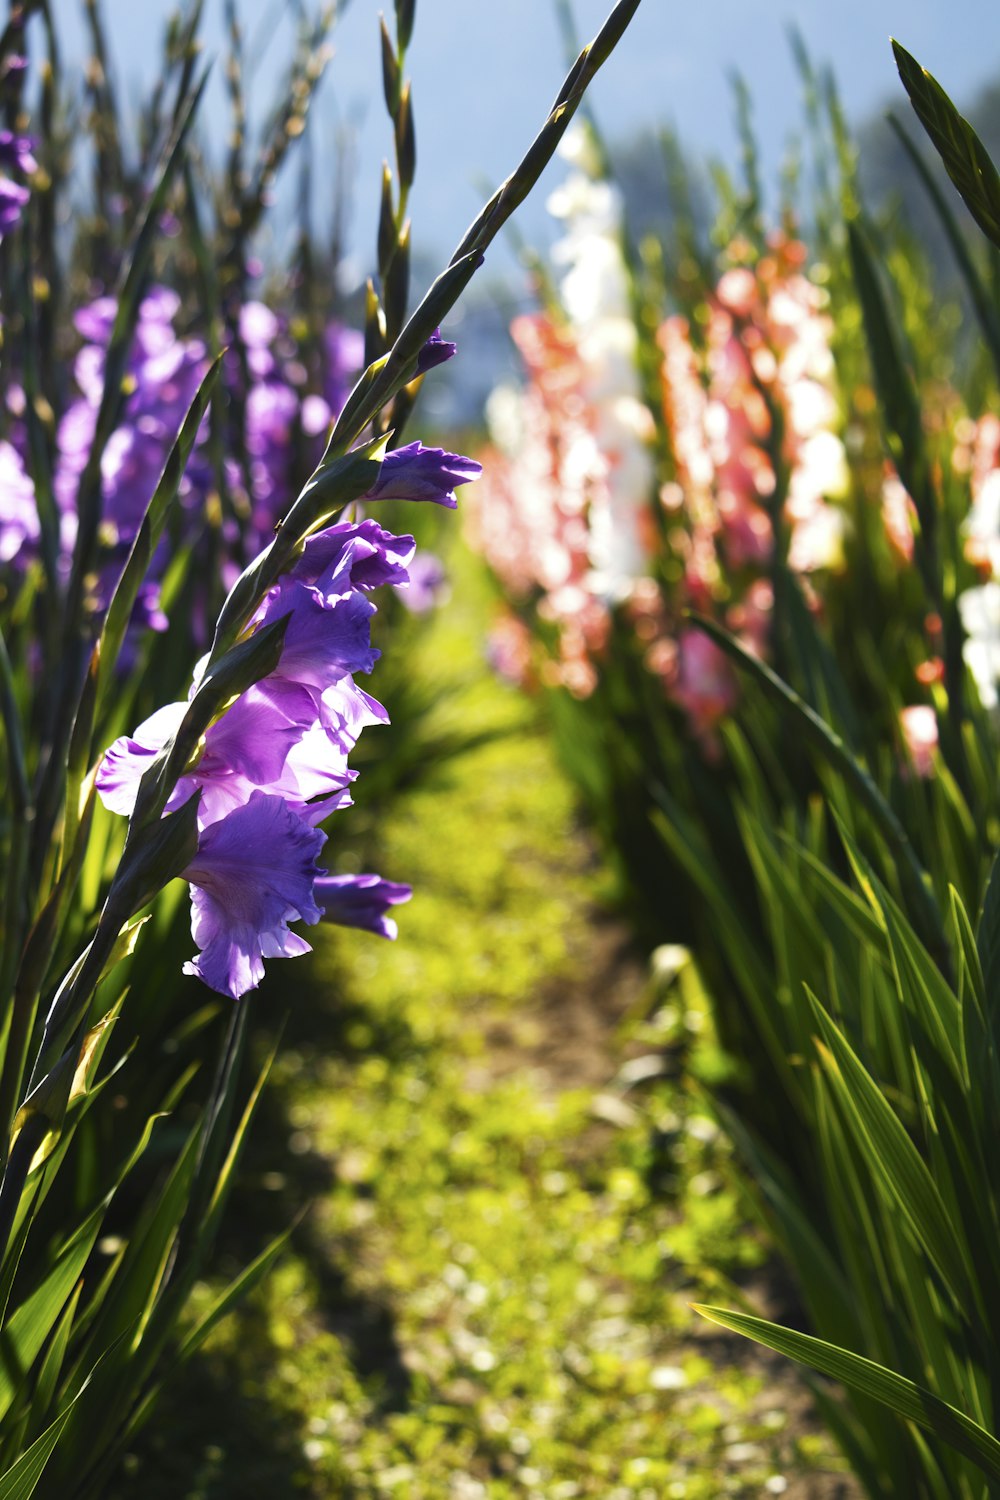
(275, 765)
(277, 418)
(278, 424)
(163, 375)
(15, 158)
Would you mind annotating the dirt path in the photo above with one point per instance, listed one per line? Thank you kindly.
(487, 1298)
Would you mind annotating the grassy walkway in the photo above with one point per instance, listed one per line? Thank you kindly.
(487, 1295)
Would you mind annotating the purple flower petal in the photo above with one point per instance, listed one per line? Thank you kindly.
(360, 901)
(428, 581)
(354, 555)
(253, 874)
(419, 473)
(19, 528)
(131, 756)
(95, 322)
(327, 637)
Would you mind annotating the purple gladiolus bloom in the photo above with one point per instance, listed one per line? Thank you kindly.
(95, 322)
(428, 580)
(345, 358)
(15, 156)
(419, 473)
(164, 373)
(360, 901)
(355, 554)
(19, 530)
(327, 637)
(435, 352)
(253, 874)
(13, 197)
(130, 757)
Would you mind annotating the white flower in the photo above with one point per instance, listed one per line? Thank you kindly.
(980, 612)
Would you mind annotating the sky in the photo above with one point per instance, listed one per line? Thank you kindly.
(485, 72)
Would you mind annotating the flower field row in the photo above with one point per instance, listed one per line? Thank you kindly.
(742, 515)
(741, 518)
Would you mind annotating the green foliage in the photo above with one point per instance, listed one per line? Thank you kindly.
(489, 1289)
(827, 884)
(118, 1156)
(966, 160)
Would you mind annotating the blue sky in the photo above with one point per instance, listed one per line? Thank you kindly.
(485, 71)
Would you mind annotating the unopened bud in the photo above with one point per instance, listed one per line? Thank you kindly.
(390, 71)
(406, 140)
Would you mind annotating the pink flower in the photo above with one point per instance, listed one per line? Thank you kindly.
(920, 735)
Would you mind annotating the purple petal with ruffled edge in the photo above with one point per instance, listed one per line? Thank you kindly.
(250, 749)
(354, 555)
(360, 901)
(419, 473)
(253, 874)
(327, 636)
(130, 757)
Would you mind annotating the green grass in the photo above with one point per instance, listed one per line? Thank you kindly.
(487, 1294)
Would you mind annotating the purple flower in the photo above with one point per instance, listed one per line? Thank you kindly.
(345, 357)
(419, 473)
(355, 554)
(253, 874)
(130, 757)
(315, 416)
(164, 373)
(275, 764)
(273, 738)
(95, 321)
(19, 530)
(15, 156)
(426, 586)
(328, 635)
(13, 198)
(435, 352)
(360, 901)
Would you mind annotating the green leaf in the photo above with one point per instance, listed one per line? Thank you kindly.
(833, 750)
(965, 158)
(21, 1478)
(156, 855)
(892, 1159)
(30, 1325)
(988, 939)
(979, 294)
(132, 1295)
(48, 1375)
(915, 1403)
(898, 399)
(236, 1292)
